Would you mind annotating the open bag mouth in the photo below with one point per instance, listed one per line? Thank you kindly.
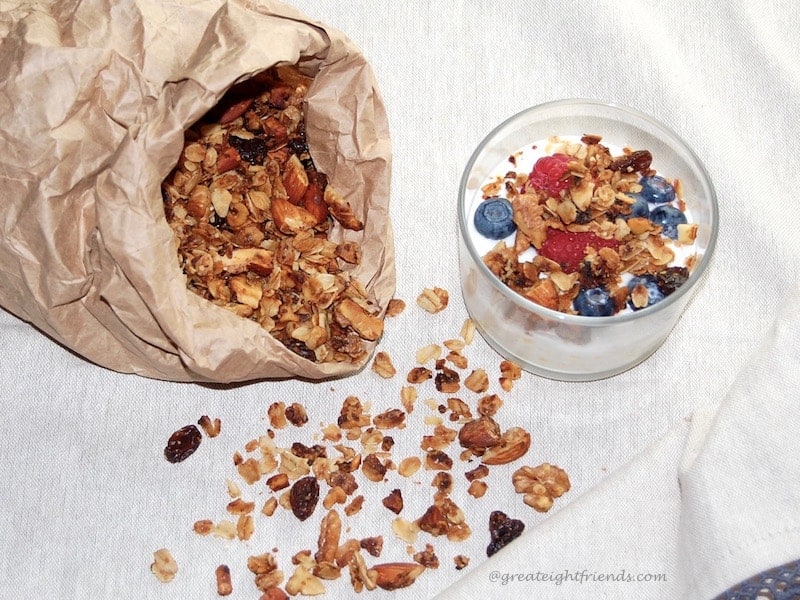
(112, 288)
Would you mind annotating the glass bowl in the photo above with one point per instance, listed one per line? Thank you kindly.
(558, 345)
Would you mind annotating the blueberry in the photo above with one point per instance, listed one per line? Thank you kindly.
(669, 218)
(650, 283)
(657, 190)
(594, 302)
(640, 208)
(494, 218)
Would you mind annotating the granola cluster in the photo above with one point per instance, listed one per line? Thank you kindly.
(324, 482)
(251, 215)
(594, 200)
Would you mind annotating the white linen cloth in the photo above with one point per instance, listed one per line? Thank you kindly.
(686, 466)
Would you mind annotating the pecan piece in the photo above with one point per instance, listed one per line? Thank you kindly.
(394, 501)
(330, 530)
(479, 434)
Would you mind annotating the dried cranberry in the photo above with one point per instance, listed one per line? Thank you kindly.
(503, 531)
(182, 444)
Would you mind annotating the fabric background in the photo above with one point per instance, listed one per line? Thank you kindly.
(659, 470)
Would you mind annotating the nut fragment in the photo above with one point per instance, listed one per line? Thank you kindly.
(418, 375)
(304, 582)
(164, 566)
(395, 307)
(330, 531)
(393, 576)
(477, 488)
(390, 419)
(477, 381)
(373, 468)
(540, 485)
(360, 576)
(350, 313)
(277, 415)
(296, 414)
(382, 365)
(448, 381)
(489, 405)
(479, 434)
(514, 444)
(394, 501)
(211, 428)
(278, 482)
(373, 545)
(427, 558)
(444, 517)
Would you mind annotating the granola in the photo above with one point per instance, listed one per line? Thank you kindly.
(357, 451)
(583, 231)
(251, 216)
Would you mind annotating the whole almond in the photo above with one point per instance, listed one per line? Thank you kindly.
(513, 445)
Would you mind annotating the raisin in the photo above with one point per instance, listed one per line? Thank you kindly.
(671, 279)
(182, 444)
(503, 531)
(634, 162)
(303, 497)
(253, 150)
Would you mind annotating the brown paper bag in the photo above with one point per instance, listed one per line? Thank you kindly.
(95, 100)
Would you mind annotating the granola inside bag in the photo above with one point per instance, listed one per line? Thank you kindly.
(95, 257)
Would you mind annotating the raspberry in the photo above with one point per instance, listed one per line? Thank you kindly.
(550, 174)
(568, 248)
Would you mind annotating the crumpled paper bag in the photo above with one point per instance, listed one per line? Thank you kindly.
(94, 101)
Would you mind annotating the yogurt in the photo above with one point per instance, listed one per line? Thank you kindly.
(607, 208)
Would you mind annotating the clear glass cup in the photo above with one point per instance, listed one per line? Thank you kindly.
(573, 347)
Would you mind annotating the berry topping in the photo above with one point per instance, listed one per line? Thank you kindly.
(494, 218)
(550, 174)
(669, 218)
(657, 190)
(568, 248)
(640, 208)
(644, 292)
(594, 302)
